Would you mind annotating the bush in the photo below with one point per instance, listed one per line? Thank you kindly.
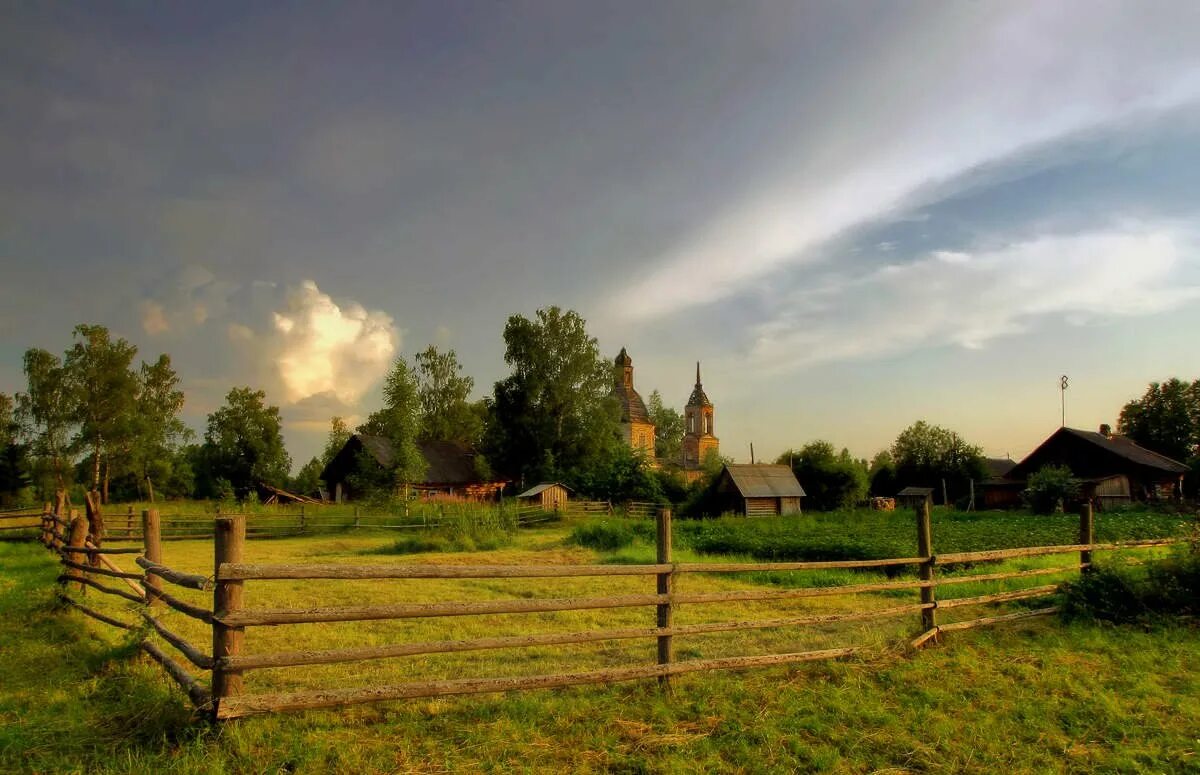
(1049, 488)
(610, 535)
(1137, 594)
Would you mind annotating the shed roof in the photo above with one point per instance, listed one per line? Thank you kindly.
(761, 480)
(1130, 450)
(1110, 447)
(924, 491)
(446, 462)
(538, 489)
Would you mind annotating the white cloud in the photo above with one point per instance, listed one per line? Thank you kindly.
(154, 318)
(988, 83)
(971, 298)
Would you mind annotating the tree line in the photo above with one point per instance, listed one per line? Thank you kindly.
(96, 418)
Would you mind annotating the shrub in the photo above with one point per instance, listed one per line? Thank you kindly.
(1049, 488)
(1128, 594)
(610, 535)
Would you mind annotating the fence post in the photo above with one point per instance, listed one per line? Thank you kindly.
(228, 544)
(152, 550)
(925, 549)
(1087, 535)
(78, 539)
(60, 511)
(47, 525)
(356, 516)
(302, 521)
(666, 649)
(129, 522)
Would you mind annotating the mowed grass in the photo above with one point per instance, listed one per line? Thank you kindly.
(1033, 696)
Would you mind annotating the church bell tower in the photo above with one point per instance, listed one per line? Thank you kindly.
(698, 438)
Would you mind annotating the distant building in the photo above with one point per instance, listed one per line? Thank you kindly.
(637, 430)
(450, 468)
(757, 490)
(914, 497)
(1111, 469)
(548, 496)
(698, 438)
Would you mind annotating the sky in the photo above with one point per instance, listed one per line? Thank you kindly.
(855, 215)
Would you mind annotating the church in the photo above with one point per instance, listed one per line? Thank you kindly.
(637, 428)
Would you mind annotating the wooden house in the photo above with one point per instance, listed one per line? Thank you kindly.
(757, 490)
(450, 468)
(548, 496)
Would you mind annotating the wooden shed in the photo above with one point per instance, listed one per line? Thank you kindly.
(913, 497)
(450, 468)
(549, 496)
(758, 490)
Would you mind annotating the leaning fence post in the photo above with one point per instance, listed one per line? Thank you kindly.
(228, 544)
(925, 550)
(78, 539)
(152, 550)
(47, 525)
(666, 649)
(1087, 535)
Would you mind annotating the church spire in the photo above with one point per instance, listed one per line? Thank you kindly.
(697, 373)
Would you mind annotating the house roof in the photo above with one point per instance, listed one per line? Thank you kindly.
(447, 462)
(924, 491)
(998, 467)
(633, 409)
(1128, 449)
(538, 489)
(760, 480)
(1114, 449)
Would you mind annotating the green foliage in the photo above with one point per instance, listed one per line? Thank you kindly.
(399, 421)
(458, 526)
(620, 474)
(443, 392)
(45, 412)
(243, 445)
(830, 480)
(1137, 594)
(1165, 419)
(553, 416)
(14, 456)
(339, 434)
(668, 429)
(307, 480)
(103, 389)
(884, 482)
(926, 454)
(1050, 488)
(608, 535)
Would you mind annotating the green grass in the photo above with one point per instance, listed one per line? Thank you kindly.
(1037, 696)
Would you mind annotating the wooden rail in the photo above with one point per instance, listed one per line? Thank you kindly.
(229, 619)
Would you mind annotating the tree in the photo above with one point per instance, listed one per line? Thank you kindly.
(243, 444)
(882, 475)
(830, 480)
(14, 464)
(339, 434)
(157, 429)
(308, 479)
(44, 412)
(553, 415)
(443, 392)
(1165, 419)
(668, 429)
(102, 386)
(925, 455)
(399, 421)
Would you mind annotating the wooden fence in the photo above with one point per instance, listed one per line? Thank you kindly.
(89, 565)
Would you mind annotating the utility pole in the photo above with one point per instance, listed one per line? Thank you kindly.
(1063, 391)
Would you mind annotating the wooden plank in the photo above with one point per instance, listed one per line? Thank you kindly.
(258, 617)
(745, 567)
(189, 580)
(999, 597)
(194, 655)
(101, 587)
(923, 638)
(236, 707)
(95, 614)
(243, 571)
(994, 619)
(116, 574)
(1010, 575)
(333, 656)
(21, 527)
(197, 693)
(1003, 554)
(787, 594)
(196, 612)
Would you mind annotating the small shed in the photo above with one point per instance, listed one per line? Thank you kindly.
(548, 496)
(913, 497)
(758, 490)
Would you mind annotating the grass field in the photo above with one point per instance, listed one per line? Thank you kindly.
(1037, 696)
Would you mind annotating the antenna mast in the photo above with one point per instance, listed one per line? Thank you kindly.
(1063, 385)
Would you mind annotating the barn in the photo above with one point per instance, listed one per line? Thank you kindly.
(450, 468)
(757, 490)
(549, 496)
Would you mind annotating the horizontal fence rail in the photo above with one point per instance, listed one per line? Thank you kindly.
(78, 542)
